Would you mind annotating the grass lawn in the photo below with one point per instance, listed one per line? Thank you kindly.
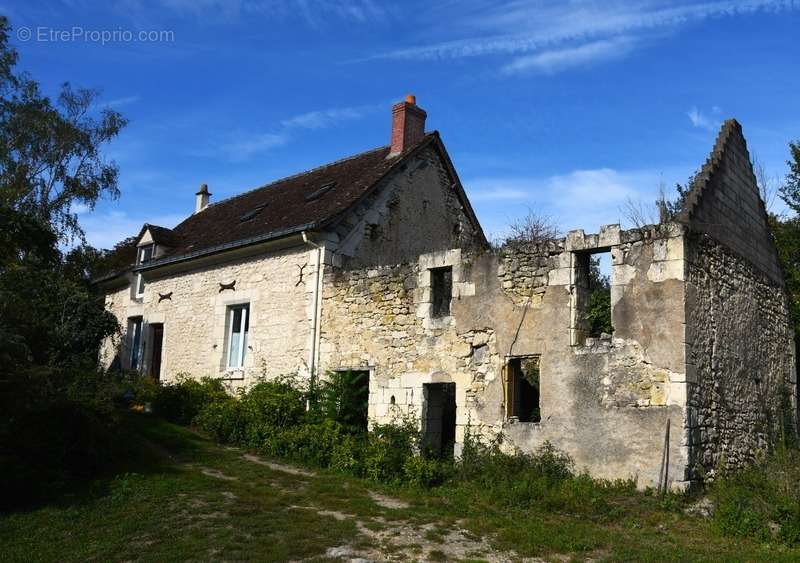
(187, 498)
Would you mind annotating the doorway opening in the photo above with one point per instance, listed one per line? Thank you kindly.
(157, 343)
(352, 389)
(439, 419)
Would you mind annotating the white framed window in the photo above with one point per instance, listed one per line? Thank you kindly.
(238, 326)
(135, 339)
(144, 255)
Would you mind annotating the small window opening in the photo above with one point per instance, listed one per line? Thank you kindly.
(252, 213)
(144, 256)
(592, 295)
(325, 188)
(522, 389)
(442, 290)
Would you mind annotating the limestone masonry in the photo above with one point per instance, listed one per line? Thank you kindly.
(377, 263)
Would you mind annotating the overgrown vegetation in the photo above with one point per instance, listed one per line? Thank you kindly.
(59, 422)
(598, 311)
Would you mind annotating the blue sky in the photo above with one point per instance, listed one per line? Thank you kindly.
(569, 107)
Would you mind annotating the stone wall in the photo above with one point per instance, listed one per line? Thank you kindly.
(725, 203)
(605, 401)
(414, 211)
(740, 358)
(195, 317)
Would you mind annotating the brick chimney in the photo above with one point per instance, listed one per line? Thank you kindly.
(202, 197)
(408, 125)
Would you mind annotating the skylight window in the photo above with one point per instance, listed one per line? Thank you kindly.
(252, 213)
(325, 188)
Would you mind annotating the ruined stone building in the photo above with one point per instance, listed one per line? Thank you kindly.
(377, 263)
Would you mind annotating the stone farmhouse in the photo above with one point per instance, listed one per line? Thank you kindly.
(377, 263)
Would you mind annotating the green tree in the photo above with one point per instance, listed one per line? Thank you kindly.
(51, 163)
(786, 233)
(790, 191)
(598, 313)
(50, 152)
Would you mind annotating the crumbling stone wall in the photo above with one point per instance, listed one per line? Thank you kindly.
(605, 401)
(739, 355)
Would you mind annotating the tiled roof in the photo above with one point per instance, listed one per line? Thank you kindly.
(305, 201)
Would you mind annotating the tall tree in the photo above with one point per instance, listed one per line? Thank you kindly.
(51, 163)
(50, 152)
(790, 191)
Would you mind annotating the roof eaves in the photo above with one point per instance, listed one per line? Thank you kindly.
(174, 259)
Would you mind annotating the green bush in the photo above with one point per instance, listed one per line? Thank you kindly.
(182, 401)
(387, 448)
(343, 396)
(278, 403)
(223, 420)
(762, 501)
(56, 428)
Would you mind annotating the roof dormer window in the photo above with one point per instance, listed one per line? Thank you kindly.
(144, 256)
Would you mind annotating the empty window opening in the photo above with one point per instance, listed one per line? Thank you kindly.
(347, 394)
(439, 419)
(238, 327)
(135, 341)
(522, 389)
(442, 290)
(592, 295)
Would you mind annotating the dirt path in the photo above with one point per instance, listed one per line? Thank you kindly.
(384, 538)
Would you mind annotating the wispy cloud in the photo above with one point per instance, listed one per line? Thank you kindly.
(118, 102)
(105, 229)
(322, 119)
(517, 27)
(579, 199)
(243, 146)
(550, 36)
(560, 59)
(315, 13)
(701, 120)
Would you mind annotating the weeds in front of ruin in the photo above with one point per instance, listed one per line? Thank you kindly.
(377, 495)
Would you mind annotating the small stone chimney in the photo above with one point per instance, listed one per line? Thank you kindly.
(408, 125)
(202, 197)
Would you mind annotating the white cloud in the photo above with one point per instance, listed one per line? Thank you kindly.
(700, 120)
(559, 59)
(315, 13)
(105, 229)
(123, 101)
(321, 119)
(516, 27)
(580, 199)
(241, 146)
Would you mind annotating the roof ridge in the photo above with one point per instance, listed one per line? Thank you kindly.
(298, 174)
(701, 179)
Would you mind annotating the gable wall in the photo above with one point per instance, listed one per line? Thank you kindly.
(729, 207)
(414, 211)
